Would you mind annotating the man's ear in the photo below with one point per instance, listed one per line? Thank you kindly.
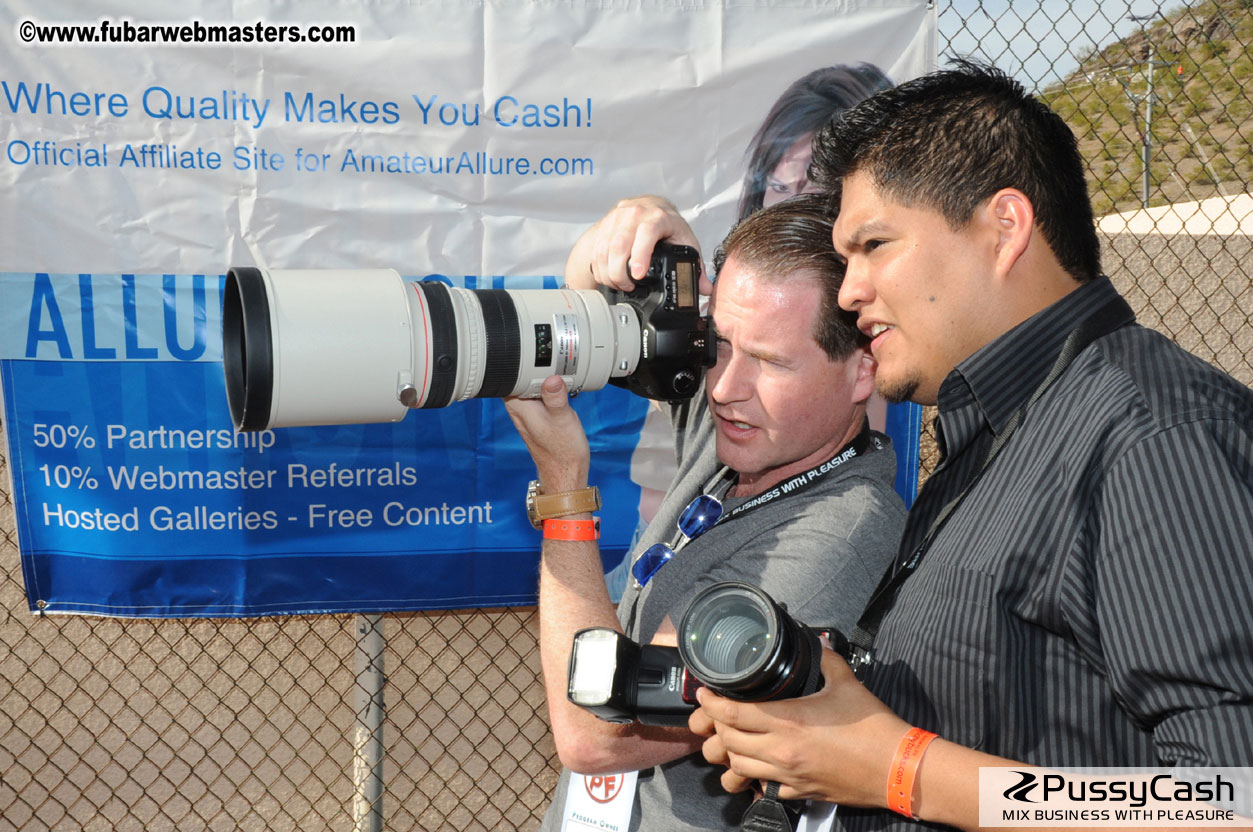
(1014, 219)
(863, 378)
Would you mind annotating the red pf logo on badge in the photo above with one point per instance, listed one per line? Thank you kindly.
(603, 788)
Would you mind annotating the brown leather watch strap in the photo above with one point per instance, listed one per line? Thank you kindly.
(567, 502)
(541, 507)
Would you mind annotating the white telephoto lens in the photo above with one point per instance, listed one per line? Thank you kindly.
(330, 347)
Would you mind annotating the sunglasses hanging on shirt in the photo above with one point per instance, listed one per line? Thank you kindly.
(701, 515)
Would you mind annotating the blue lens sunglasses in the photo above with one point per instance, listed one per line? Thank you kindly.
(701, 515)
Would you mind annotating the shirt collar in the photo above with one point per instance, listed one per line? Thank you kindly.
(1001, 375)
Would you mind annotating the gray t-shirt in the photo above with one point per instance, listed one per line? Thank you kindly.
(820, 551)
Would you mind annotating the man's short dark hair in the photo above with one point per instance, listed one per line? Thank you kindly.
(951, 139)
(793, 239)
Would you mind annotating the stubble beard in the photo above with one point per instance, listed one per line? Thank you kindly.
(899, 391)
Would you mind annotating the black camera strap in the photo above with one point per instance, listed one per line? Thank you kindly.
(769, 814)
(1112, 315)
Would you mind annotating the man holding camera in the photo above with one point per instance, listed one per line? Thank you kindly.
(777, 437)
(1074, 585)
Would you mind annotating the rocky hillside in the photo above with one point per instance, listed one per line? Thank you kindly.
(1200, 98)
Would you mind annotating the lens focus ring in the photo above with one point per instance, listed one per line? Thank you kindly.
(443, 344)
(503, 362)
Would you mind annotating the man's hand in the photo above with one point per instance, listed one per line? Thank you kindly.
(702, 725)
(615, 252)
(836, 745)
(554, 436)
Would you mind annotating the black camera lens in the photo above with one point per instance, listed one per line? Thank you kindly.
(729, 636)
(739, 643)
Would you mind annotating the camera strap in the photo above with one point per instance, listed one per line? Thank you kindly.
(769, 814)
(1112, 315)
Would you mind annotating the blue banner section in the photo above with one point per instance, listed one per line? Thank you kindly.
(904, 425)
(135, 496)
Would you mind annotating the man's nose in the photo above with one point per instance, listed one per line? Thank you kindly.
(855, 289)
(731, 379)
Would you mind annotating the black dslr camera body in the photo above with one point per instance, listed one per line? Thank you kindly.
(677, 342)
(734, 639)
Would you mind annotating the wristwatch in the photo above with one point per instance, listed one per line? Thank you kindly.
(541, 507)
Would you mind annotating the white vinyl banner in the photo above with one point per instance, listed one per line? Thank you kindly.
(147, 150)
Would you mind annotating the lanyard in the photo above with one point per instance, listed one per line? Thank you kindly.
(1113, 314)
(859, 445)
(721, 481)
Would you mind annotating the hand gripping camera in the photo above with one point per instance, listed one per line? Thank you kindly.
(326, 347)
(734, 639)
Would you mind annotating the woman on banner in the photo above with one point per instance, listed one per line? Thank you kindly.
(779, 153)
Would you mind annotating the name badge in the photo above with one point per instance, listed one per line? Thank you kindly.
(599, 802)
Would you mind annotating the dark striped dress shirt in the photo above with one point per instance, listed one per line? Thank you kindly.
(1090, 601)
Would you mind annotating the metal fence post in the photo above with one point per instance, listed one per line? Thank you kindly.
(367, 758)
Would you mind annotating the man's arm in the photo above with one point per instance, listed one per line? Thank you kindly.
(572, 591)
(572, 596)
(797, 741)
(838, 746)
(1173, 588)
(615, 252)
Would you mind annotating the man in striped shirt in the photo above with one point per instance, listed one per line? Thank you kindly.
(1074, 586)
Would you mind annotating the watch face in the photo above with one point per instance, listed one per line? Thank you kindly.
(532, 513)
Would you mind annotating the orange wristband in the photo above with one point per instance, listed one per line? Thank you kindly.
(904, 767)
(559, 529)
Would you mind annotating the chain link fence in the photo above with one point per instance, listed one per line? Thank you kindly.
(267, 724)
(1159, 99)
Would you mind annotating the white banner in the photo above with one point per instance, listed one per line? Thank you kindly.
(450, 137)
(145, 151)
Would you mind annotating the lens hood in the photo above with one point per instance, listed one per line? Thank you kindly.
(247, 354)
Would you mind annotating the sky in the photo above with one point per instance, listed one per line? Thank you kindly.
(1039, 43)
